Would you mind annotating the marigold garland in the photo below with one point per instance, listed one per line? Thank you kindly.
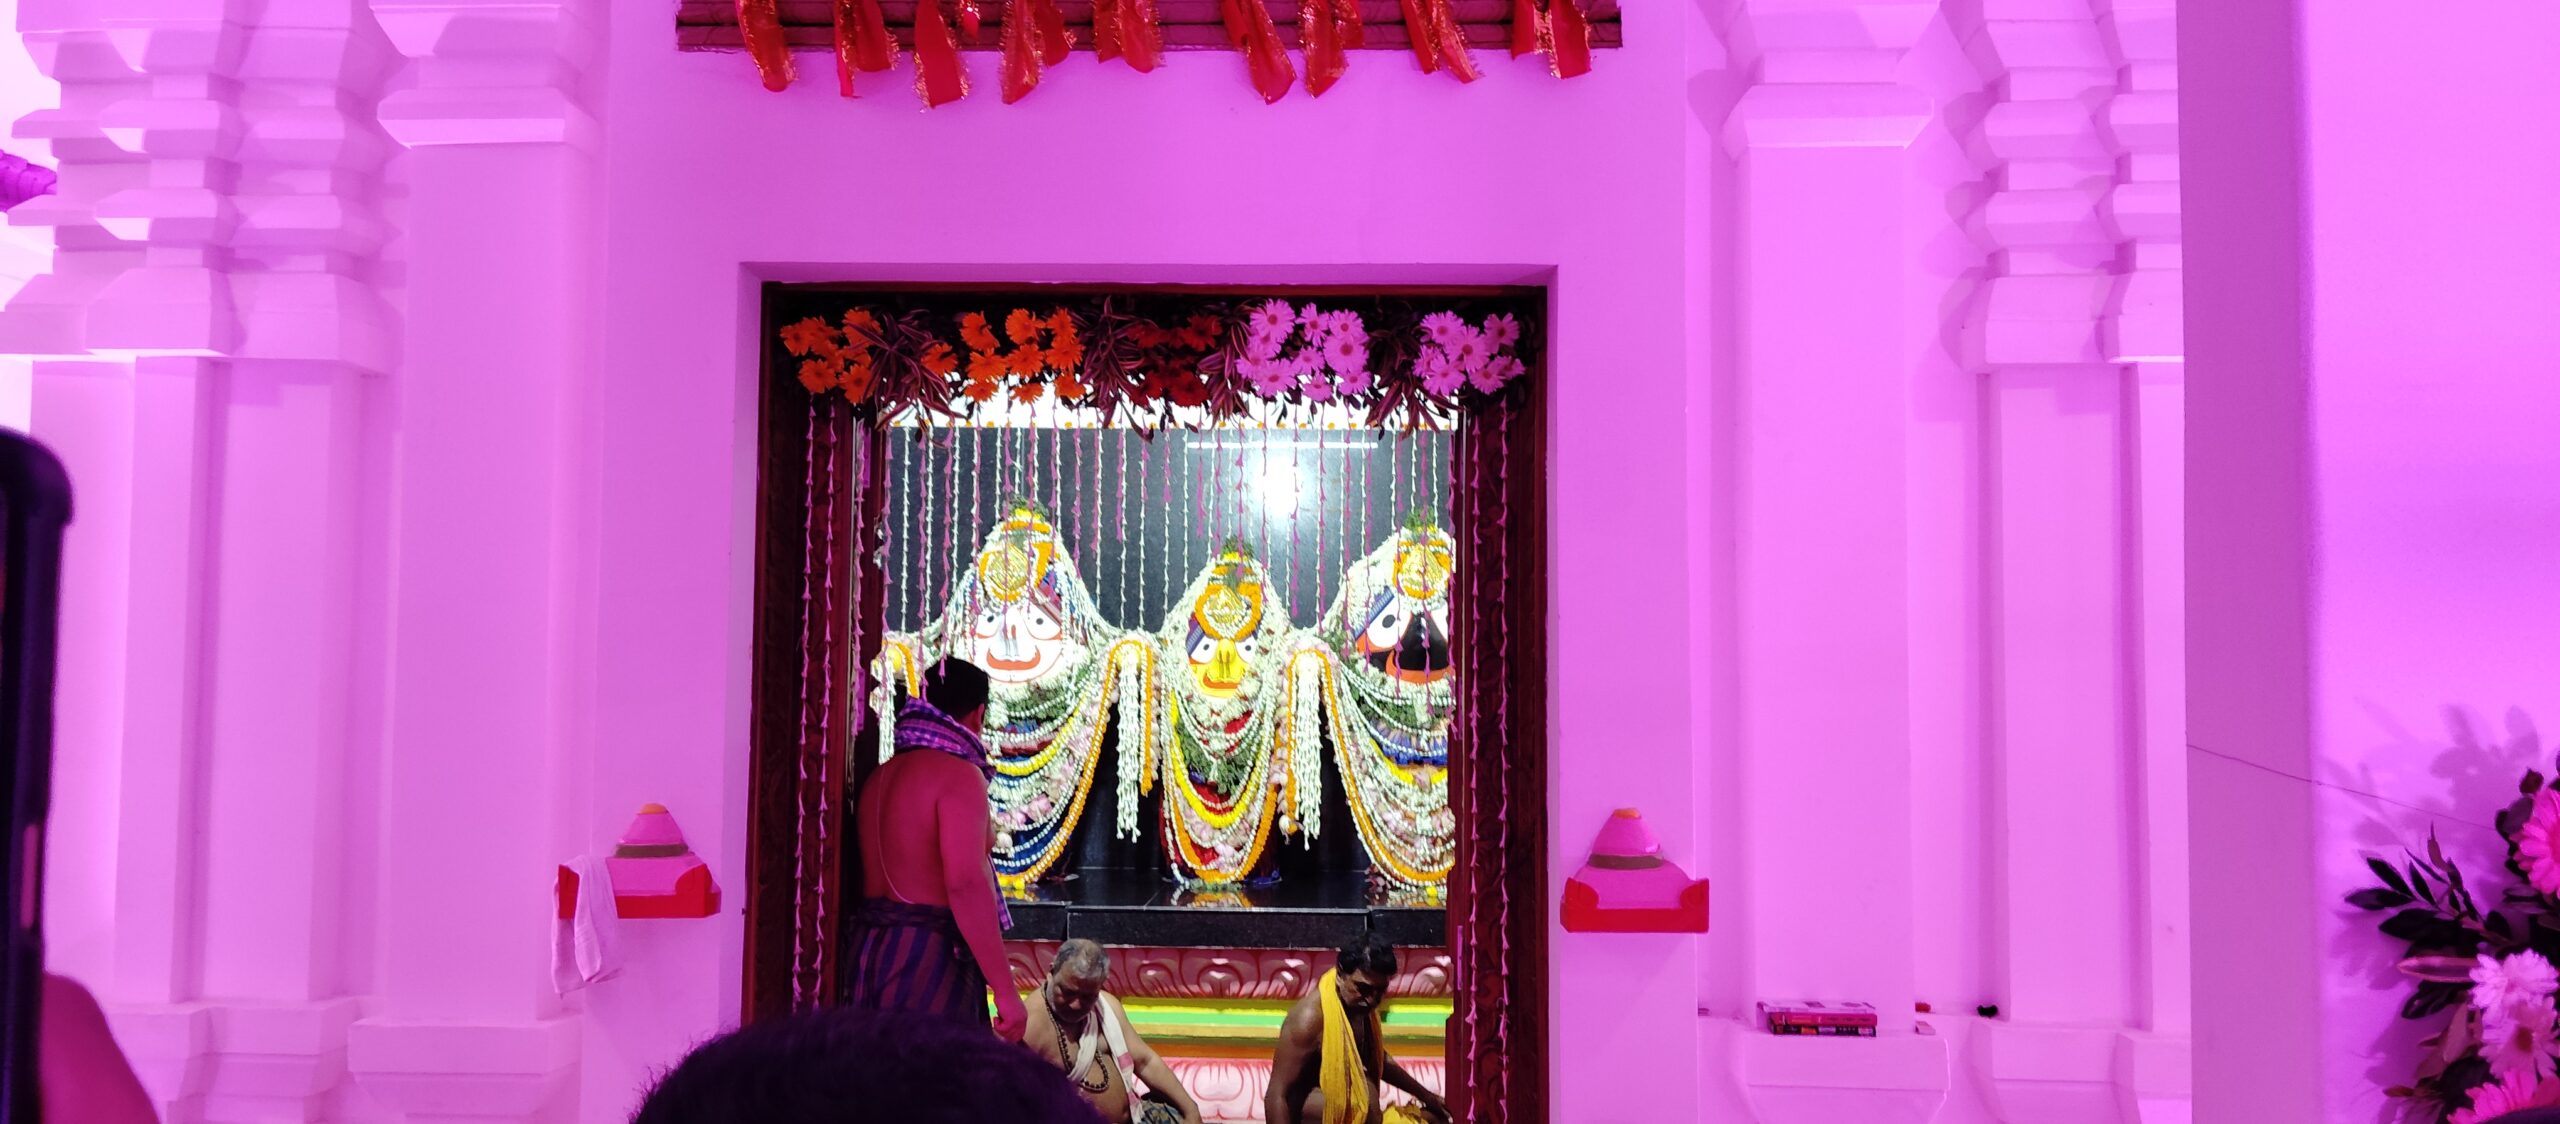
(833, 357)
(1042, 346)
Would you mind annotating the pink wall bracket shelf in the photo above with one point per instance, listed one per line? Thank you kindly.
(1628, 887)
(654, 873)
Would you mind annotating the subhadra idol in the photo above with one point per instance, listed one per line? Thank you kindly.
(1238, 741)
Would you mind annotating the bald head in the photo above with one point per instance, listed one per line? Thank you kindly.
(1081, 960)
(1075, 981)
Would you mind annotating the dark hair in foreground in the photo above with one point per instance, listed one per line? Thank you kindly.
(955, 686)
(848, 1066)
(1368, 952)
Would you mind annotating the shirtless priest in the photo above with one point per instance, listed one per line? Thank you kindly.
(1079, 1027)
(1333, 1052)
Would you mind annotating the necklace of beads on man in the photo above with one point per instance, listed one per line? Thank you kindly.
(1097, 1084)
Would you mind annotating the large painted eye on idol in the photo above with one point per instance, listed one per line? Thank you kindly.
(989, 619)
(1385, 630)
(1041, 625)
(1204, 649)
(1249, 647)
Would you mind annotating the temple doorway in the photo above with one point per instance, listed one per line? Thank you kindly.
(1253, 574)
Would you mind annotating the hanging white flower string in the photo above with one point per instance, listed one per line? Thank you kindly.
(1132, 569)
(1295, 482)
(1367, 501)
(947, 558)
(1323, 502)
(903, 466)
(927, 516)
(1237, 483)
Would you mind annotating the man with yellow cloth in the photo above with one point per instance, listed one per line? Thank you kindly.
(1333, 1051)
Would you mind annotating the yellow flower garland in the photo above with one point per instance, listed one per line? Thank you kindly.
(1369, 832)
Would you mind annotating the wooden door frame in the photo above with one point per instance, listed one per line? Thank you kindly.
(819, 515)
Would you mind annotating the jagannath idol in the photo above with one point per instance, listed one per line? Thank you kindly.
(1238, 744)
(1023, 614)
(1391, 702)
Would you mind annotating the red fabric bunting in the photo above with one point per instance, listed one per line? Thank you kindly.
(1141, 36)
(1425, 49)
(1322, 41)
(939, 78)
(1128, 29)
(1326, 30)
(1528, 27)
(1055, 40)
(1568, 39)
(862, 41)
(760, 24)
(1106, 30)
(1035, 34)
(1249, 27)
(1439, 32)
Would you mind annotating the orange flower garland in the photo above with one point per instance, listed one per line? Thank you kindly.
(833, 357)
(1041, 345)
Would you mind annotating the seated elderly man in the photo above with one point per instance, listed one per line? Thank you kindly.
(1080, 1028)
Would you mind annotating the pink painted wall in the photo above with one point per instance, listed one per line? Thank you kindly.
(1180, 175)
(2371, 432)
(1861, 428)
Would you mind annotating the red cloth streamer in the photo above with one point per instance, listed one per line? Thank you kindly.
(1326, 58)
(1417, 28)
(862, 41)
(1055, 40)
(1128, 29)
(1528, 27)
(1568, 39)
(1035, 34)
(1326, 30)
(760, 24)
(1250, 29)
(1438, 40)
(939, 78)
(972, 20)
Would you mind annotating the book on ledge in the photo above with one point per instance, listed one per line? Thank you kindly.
(1820, 1018)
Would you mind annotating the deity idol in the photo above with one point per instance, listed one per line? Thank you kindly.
(1013, 619)
(1022, 612)
(1403, 635)
(1236, 755)
(1392, 700)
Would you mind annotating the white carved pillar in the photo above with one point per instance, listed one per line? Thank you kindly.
(498, 248)
(2076, 485)
(124, 870)
(1822, 370)
(213, 232)
(2144, 328)
(175, 471)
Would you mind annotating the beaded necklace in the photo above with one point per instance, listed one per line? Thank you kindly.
(1066, 1056)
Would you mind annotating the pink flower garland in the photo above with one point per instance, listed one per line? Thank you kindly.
(1456, 353)
(1319, 354)
(2538, 843)
(2514, 1093)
